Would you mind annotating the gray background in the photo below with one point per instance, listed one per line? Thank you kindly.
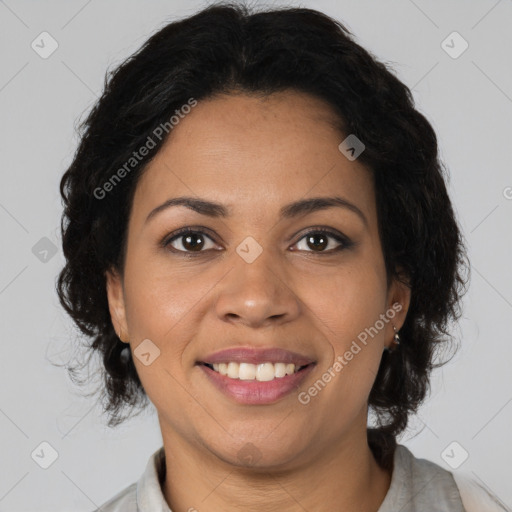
(467, 99)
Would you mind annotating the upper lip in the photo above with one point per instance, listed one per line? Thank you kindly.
(257, 356)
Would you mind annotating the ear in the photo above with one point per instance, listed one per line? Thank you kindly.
(399, 299)
(116, 305)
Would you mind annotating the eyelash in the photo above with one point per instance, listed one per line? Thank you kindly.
(345, 242)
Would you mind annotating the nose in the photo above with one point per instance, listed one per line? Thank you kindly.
(257, 294)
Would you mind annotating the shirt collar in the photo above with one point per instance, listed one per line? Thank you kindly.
(150, 497)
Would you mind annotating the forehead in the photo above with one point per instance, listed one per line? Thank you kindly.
(249, 151)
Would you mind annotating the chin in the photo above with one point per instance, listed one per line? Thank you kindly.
(256, 455)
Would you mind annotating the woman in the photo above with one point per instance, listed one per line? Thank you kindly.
(259, 241)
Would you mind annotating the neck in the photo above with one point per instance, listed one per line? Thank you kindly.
(345, 477)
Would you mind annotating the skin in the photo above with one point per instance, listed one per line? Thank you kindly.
(256, 155)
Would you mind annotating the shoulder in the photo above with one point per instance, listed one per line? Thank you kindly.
(146, 493)
(426, 481)
(123, 501)
(417, 483)
(475, 497)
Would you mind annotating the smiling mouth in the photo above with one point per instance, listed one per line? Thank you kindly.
(262, 372)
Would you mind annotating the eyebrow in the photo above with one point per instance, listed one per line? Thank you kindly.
(292, 210)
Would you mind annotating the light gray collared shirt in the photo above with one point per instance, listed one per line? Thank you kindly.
(417, 485)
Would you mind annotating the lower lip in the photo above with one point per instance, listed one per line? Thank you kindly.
(256, 392)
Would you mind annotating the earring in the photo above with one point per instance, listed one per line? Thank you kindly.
(396, 337)
(125, 354)
(395, 343)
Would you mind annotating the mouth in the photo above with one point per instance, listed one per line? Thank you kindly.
(256, 376)
(262, 364)
(262, 372)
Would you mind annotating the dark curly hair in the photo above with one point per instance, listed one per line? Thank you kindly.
(229, 48)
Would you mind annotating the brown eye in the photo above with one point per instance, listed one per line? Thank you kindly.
(189, 241)
(317, 241)
(320, 240)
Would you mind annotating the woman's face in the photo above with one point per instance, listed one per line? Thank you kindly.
(256, 279)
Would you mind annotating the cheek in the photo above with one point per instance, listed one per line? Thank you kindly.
(347, 306)
(160, 298)
(345, 302)
(163, 305)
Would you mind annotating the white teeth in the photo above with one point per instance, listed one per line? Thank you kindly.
(265, 372)
(247, 371)
(233, 370)
(280, 369)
